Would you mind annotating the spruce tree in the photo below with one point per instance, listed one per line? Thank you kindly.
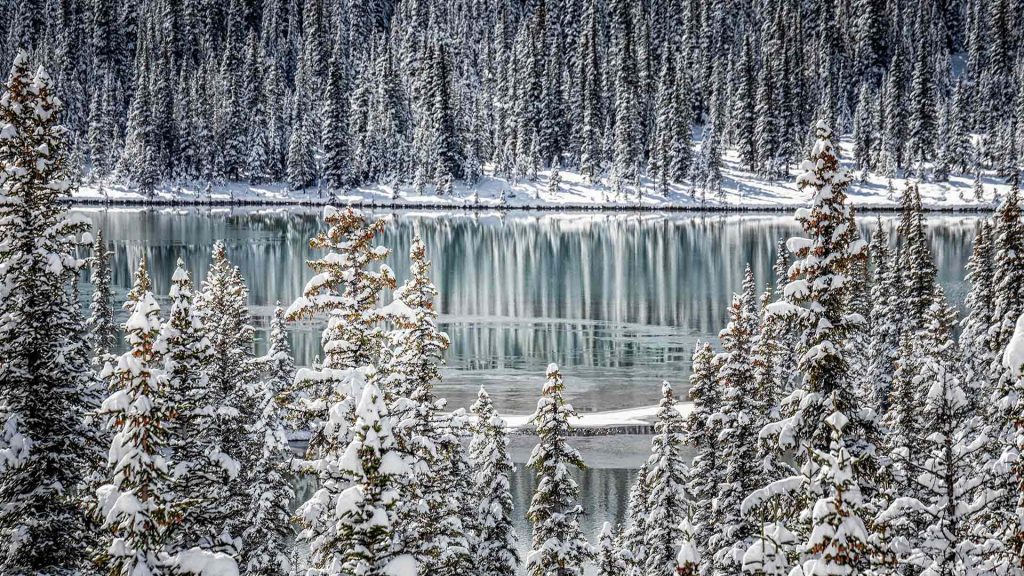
(267, 538)
(224, 310)
(100, 324)
(558, 545)
(980, 304)
(362, 534)
(743, 115)
(894, 114)
(200, 474)
(609, 559)
(946, 481)
(838, 541)
(667, 474)
(702, 433)
(45, 367)
(740, 418)
(884, 323)
(492, 473)
(133, 506)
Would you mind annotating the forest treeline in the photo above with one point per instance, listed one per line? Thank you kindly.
(340, 93)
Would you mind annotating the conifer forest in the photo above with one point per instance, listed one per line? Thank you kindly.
(858, 410)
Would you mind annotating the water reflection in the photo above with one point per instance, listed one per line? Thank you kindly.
(617, 299)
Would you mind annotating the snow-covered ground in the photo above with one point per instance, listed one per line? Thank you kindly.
(612, 419)
(741, 190)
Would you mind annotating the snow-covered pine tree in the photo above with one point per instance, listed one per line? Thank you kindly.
(949, 488)
(133, 506)
(916, 265)
(707, 174)
(492, 473)
(198, 478)
(665, 131)
(817, 303)
(100, 324)
(688, 559)
(610, 560)
(45, 357)
(894, 114)
(323, 398)
(816, 293)
(838, 539)
(301, 163)
(740, 418)
(980, 304)
(667, 473)
(411, 368)
(631, 538)
(558, 544)
(362, 534)
(863, 131)
(743, 114)
(884, 324)
(682, 134)
(267, 538)
(223, 307)
(335, 137)
(346, 289)
(701, 432)
(1008, 263)
(451, 536)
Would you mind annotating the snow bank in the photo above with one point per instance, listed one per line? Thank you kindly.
(741, 190)
(205, 563)
(644, 416)
(1013, 356)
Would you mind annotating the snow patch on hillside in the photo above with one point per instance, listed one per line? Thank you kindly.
(741, 190)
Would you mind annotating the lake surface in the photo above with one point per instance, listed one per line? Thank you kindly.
(618, 300)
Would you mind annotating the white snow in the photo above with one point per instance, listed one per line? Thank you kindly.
(402, 565)
(643, 416)
(1013, 356)
(205, 563)
(741, 188)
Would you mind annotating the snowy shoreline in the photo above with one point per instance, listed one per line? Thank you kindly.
(742, 192)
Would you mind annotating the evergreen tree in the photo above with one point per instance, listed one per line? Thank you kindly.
(702, 433)
(921, 144)
(100, 325)
(980, 304)
(743, 114)
(492, 473)
(133, 507)
(224, 310)
(666, 478)
(740, 420)
(838, 541)
(610, 560)
(301, 163)
(894, 114)
(558, 545)
(45, 357)
(199, 475)
(362, 536)
(268, 533)
(336, 139)
(884, 324)
(947, 484)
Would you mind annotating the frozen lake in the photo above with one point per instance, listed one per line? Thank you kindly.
(618, 300)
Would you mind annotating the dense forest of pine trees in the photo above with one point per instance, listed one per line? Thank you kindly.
(338, 93)
(843, 428)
